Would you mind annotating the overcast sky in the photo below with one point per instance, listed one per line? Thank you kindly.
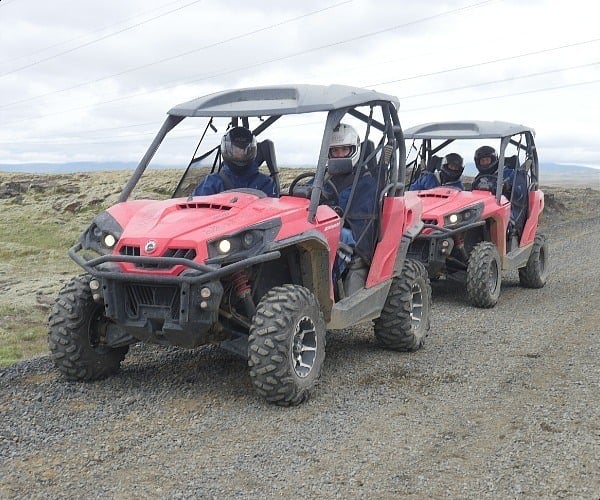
(92, 81)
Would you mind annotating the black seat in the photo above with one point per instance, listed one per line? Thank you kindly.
(265, 153)
(511, 162)
(434, 163)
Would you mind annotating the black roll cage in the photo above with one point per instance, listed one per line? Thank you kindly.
(391, 150)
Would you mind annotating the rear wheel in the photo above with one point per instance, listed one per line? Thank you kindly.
(77, 326)
(405, 319)
(484, 275)
(535, 273)
(286, 346)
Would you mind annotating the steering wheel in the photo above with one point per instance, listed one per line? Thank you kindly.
(331, 198)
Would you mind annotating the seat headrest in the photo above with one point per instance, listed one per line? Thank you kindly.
(434, 163)
(511, 162)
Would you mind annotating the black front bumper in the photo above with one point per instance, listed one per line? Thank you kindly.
(433, 249)
(168, 310)
(166, 314)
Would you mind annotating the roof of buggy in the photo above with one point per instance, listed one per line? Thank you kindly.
(279, 100)
(465, 130)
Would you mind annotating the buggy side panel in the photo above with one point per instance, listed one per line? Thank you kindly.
(400, 215)
(536, 205)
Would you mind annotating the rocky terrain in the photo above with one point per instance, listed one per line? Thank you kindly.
(500, 403)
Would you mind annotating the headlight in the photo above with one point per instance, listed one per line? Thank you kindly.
(248, 239)
(246, 243)
(110, 240)
(464, 216)
(224, 246)
(102, 235)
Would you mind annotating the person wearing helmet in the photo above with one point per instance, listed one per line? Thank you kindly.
(356, 239)
(345, 143)
(240, 168)
(449, 175)
(486, 162)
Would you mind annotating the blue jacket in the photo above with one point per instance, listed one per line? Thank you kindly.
(254, 179)
(360, 214)
(429, 181)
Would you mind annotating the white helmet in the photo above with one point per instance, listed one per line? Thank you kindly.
(345, 136)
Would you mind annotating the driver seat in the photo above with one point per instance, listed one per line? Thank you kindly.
(265, 153)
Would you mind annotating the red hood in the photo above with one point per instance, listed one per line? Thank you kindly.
(440, 201)
(190, 222)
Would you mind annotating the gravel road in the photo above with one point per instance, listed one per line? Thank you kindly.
(500, 403)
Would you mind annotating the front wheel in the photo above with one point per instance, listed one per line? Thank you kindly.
(484, 275)
(286, 345)
(405, 319)
(535, 273)
(77, 326)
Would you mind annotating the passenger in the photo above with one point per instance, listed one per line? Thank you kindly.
(486, 162)
(449, 176)
(240, 169)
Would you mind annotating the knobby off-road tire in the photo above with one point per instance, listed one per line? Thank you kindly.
(535, 273)
(484, 275)
(405, 319)
(76, 326)
(286, 346)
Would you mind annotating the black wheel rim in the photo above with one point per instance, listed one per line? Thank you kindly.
(416, 306)
(304, 347)
(493, 275)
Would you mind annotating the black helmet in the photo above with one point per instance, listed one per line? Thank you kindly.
(238, 148)
(486, 152)
(452, 168)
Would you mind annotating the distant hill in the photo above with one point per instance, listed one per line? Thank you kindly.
(550, 173)
(67, 168)
(549, 169)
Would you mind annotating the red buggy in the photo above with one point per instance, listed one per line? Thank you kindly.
(246, 272)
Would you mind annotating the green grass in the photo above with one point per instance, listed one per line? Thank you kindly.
(22, 333)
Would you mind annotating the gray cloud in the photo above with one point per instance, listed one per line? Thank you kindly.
(146, 59)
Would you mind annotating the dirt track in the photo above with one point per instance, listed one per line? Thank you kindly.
(500, 403)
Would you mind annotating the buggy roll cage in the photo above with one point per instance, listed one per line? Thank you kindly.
(449, 132)
(276, 101)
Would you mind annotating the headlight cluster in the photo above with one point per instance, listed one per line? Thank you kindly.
(102, 235)
(241, 245)
(464, 216)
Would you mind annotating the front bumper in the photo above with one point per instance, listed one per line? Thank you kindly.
(195, 272)
(433, 248)
(177, 310)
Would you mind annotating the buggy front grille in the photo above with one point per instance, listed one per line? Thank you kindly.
(130, 250)
(160, 296)
(180, 253)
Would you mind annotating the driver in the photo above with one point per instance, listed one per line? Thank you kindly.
(486, 162)
(240, 169)
(355, 240)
